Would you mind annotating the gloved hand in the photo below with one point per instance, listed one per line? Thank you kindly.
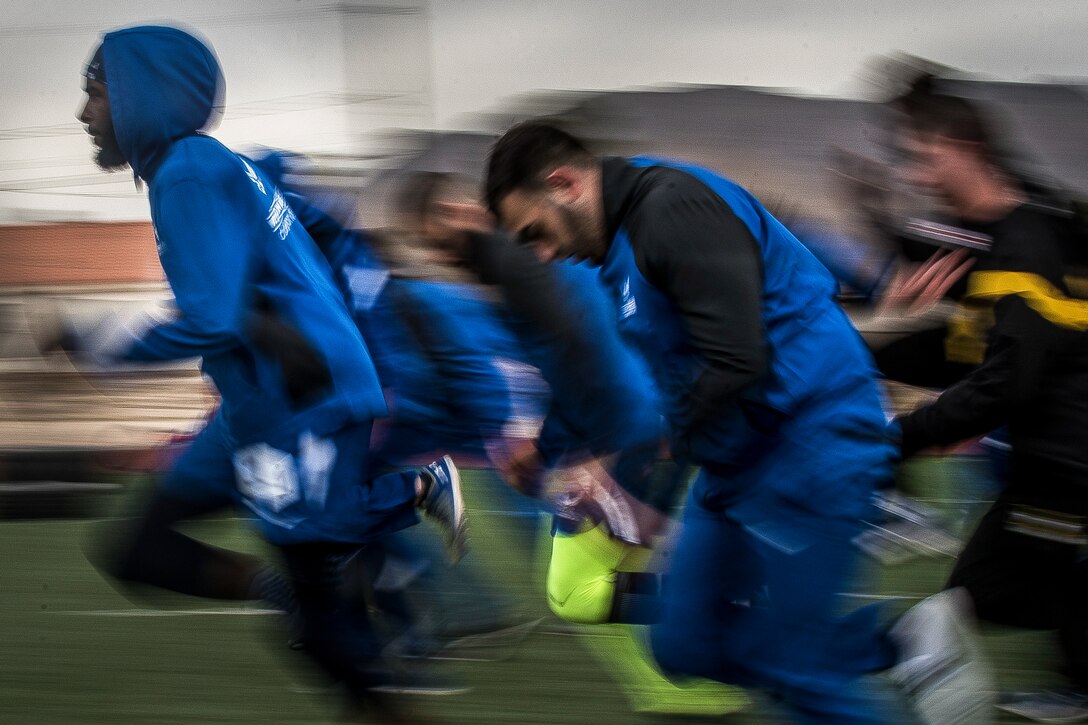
(61, 340)
(305, 372)
(519, 462)
(50, 329)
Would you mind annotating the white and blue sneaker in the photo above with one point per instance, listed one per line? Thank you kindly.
(443, 503)
(942, 669)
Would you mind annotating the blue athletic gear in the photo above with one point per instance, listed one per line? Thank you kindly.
(768, 388)
(232, 249)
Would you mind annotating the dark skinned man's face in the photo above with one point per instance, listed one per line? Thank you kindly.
(97, 118)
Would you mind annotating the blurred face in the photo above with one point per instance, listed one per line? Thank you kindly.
(945, 167)
(448, 225)
(558, 223)
(97, 118)
(448, 244)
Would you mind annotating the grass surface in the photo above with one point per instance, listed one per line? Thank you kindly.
(73, 650)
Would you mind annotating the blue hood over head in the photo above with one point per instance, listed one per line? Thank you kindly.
(164, 84)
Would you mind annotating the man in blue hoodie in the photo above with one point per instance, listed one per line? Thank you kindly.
(290, 439)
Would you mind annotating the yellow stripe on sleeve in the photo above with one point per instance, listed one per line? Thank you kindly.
(1039, 294)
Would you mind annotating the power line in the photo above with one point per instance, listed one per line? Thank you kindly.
(89, 194)
(59, 182)
(264, 107)
(49, 131)
(309, 102)
(47, 162)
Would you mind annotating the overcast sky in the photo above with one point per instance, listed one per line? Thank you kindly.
(487, 49)
(474, 55)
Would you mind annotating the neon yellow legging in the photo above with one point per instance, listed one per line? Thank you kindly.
(581, 577)
(581, 583)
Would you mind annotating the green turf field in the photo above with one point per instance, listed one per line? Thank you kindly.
(72, 650)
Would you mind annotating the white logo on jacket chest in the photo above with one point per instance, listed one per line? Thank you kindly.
(253, 177)
(280, 216)
(628, 306)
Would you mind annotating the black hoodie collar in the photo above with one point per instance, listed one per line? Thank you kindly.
(619, 180)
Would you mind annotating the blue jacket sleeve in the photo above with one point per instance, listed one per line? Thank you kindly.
(205, 250)
(691, 245)
(473, 385)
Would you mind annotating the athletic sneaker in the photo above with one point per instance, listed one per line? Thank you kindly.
(494, 645)
(419, 684)
(908, 529)
(1057, 706)
(496, 642)
(941, 668)
(277, 594)
(443, 504)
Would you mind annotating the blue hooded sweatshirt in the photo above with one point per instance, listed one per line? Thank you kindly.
(226, 236)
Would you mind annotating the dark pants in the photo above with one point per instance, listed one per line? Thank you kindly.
(341, 502)
(758, 606)
(324, 579)
(336, 625)
(148, 550)
(1025, 581)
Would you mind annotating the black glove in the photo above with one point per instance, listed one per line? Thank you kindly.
(305, 372)
(63, 340)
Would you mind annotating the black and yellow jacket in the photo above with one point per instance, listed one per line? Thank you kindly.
(1024, 322)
